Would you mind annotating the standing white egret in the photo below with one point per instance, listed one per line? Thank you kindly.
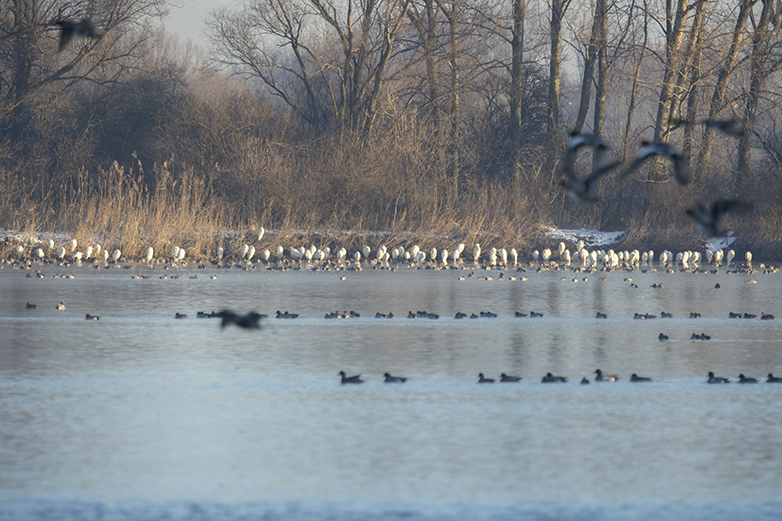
(593, 257)
(561, 249)
(515, 256)
(39, 253)
(220, 253)
(77, 257)
(73, 244)
(455, 255)
(729, 257)
(87, 252)
(566, 257)
(546, 255)
(584, 257)
(296, 254)
(580, 245)
(261, 231)
(265, 255)
(709, 256)
(51, 244)
(174, 252)
(308, 255)
(476, 253)
(414, 251)
(366, 251)
(503, 254)
(433, 254)
(357, 256)
(279, 252)
(460, 248)
(61, 252)
(395, 254)
(535, 255)
(242, 251)
(663, 258)
(493, 256)
(444, 256)
(250, 253)
(696, 257)
(19, 251)
(180, 255)
(149, 254)
(420, 256)
(98, 248)
(718, 257)
(105, 256)
(341, 254)
(748, 257)
(116, 255)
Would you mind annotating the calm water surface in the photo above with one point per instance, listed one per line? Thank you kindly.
(141, 416)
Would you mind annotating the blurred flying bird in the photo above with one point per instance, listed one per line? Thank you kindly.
(649, 149)
(249, 321)
(708, 220)
(69, 29)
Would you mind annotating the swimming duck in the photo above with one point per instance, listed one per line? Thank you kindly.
(483, 380)
(393, 379)
(662, 337)
(92, 317)
(509, 379)
(605, 378)
(519, 314)
(180, 315)
(747, 315)
(773, 379)
(663, 314)
(533, 314)
(30, 306)
(584, 381)
(286, 314)
(550, 378)
(350, 379)
(488, 314)
(410, 314)
(731, 314)
(744, 380)
(61, 305)
(635, 378)
(695, 315)
(763, 316)
(601, 315)
(717, 379)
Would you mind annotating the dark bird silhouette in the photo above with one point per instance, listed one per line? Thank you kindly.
(649, 149)
(249, 321)
(708, 220)
(745, 380)
(69, 29)
(635, 378)
(580, 189)
(393, 379)
(730, 127)
(483, 380)
(717, 379)
(350, 379)
(509, 379)
(550, 378)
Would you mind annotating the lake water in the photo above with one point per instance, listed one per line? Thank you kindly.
(141, 416)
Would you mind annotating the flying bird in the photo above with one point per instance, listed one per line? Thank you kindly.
(729, 127)
(69, 29)
(580, 189)
(708, 220)
(649, 149)
(249, 321)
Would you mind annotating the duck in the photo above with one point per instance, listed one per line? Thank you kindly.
(61, 305)
(601, 315)
(350, 379)
(663, 314)
(605, 378)
(763, 316)
(584, 381)
(249, 321)
(717, 379)
(30, 306)
(695, 315)
(662, 337)
(534, 314)
(649, 149)
(702, 336)
(91, 317)
(635, 378)
(68, 29)
(708, 220)
(484, 380)
(519, 314)
(393, 379)
(550, 378)
(747, 315)
(380, 315)
(180, 315)
(509, 379)
(731, 314)
(773, 379)
(488, 314)
(286, 314)
(745, 380)
(410, 314)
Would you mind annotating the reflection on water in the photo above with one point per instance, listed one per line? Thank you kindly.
(144, 416)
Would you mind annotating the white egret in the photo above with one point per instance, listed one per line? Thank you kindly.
(39, 253)
(515, 256)
(357, 256)
(73, 244)
(105, 256)
(87, 252)
(242, 251)
(729, 257)
(535, 255)
(503, 255)
(433, 254)
(279, 252)
(175, 252)
(261, 231)
(116, 255)
(476, 253)
(61, 252)
(250, 253)
(220, 253)
(748, 257)
(366, 251)
(51, 244)
(444, 256)
(180, 255)
(149, 254)
(265, 255)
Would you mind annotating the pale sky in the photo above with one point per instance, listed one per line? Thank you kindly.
(186, 17)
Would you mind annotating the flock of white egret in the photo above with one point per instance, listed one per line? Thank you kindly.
(245, 254)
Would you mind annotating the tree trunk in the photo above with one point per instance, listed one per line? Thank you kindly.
(516, 88)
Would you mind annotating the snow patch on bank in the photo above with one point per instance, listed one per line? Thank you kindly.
(591, 238)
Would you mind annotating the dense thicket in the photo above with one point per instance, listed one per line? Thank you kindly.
(394, 115)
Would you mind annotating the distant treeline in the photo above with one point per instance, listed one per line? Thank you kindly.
(444, 120)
